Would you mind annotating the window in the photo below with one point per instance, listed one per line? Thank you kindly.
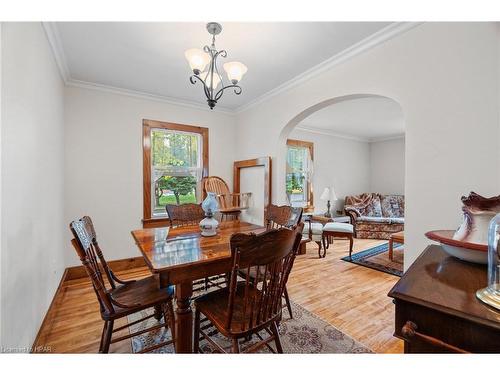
(299, 169)
(175, 160)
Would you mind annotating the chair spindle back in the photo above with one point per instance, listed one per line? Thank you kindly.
(282, 216)
(217, 185)
(185, 214)
(87, 248)
(272, 254)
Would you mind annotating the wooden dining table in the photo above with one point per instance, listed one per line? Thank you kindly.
(179, 256)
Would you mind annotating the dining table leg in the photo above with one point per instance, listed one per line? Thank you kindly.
(184, 318)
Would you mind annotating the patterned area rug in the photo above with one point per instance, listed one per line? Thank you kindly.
(305, 333)
(377, 258)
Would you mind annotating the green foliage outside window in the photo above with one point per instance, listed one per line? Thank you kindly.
(294, 183)
(296, 169)
(182, 187)
(174, 153)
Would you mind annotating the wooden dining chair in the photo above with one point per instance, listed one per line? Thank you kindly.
(230, 204)
(249, 307)
(191, 214)
(280, 217)
(184, 214)
(121, 298)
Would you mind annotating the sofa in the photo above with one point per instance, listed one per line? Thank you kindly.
(376, 215)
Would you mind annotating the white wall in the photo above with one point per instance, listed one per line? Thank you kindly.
(445, 77)
(338, 162)
(387, 166)
(32, 154)
(253, 181)
(104, 160)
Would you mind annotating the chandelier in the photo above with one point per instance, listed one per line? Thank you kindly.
(211, 79)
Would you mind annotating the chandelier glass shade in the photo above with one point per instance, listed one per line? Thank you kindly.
(203, 63)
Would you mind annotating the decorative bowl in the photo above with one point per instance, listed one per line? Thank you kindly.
(468, 251)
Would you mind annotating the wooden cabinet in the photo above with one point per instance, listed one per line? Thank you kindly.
(437, 310)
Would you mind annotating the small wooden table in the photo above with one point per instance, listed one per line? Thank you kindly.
(437, 310)
(180, 256)
(398, 237)
(321, 218)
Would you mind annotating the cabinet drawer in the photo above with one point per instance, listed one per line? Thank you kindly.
(425, 330)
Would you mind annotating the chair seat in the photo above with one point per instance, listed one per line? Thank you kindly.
(214, 306)
(139, 294)
(229, 210)
(338, 227)
(253, 272)
(317, 228)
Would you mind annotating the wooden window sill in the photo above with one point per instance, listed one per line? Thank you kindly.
(155, 222)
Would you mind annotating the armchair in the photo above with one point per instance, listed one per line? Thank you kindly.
(230, 204)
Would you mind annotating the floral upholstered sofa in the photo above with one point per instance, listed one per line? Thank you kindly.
(375, 215)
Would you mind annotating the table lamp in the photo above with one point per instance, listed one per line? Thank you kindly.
(327, 195)
(209, 225)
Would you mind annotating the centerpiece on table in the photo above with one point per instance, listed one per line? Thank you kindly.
(470, 241)
(209, 225)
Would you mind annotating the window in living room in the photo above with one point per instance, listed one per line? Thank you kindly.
(175, 160)
(299, 169)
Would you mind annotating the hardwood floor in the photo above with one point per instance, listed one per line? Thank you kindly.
(352, 298)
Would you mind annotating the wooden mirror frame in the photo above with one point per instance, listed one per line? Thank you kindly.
(265, 162)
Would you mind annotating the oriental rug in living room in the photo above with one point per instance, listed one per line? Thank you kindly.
(377, 258)
(305, 333)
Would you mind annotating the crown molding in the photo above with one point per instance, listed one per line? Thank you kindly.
(390, 138)
(53, 36)
(331, 133)
(370, 42)
(381, 36)
(146, 96)
(52, 33)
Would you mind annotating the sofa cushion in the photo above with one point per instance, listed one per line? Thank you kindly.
(367, 204)
(370, 219)
(397, 220)
(338, 227)
(386, 220)
(392, 205)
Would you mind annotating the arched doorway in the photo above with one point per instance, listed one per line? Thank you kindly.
(292, 124)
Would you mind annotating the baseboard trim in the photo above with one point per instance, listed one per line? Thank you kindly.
(73, 273)
(78, 272)
(37, 344)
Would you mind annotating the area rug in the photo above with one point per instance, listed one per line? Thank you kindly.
(377, 258)
(306, 333)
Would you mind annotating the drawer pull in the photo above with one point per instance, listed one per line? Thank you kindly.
(409, 331)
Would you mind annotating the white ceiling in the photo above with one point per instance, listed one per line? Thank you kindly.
(149, 57)
(368, 119)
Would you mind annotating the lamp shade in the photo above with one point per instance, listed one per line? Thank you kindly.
(235, 71)
(197, 59)
(334, 195)
(325, 196)
(208, 79)
(210, 204)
